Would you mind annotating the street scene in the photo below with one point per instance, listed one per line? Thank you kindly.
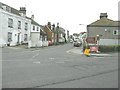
(60, 66)
(57, 44)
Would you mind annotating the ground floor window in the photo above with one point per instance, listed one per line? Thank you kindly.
(115, 32)
(25, 37)
(9, 36)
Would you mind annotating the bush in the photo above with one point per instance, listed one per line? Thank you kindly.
(110, 48)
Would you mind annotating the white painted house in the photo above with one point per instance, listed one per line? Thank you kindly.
(14, 26)
(35, 37)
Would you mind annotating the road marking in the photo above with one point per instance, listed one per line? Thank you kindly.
(52, 58)
(37, 62)
(60, 62)
(34, 56)
(69, 51)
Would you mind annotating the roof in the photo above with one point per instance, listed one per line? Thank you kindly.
(105, 22)
(33, 22)
(61, 30)
(48, 28)
(11, 10)
(42, 29)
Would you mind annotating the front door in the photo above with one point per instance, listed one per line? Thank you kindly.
(18, 41)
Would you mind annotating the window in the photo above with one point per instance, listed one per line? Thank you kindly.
(33, 27)
(9, 36)
(25, 37)
(26, 26)
(115, 32)
(10, 23)
(19, 24)
(37, 28)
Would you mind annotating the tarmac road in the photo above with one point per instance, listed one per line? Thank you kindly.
(55, 67)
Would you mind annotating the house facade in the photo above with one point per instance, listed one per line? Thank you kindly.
(14, 26)
(35, 36)
(49, 33)
(61, 35)
(67, 36)
(43, 36)
(106, 29)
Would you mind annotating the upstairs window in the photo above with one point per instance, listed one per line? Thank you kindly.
(26, 26)
(37, 28)
(19, 24)
(33, 27)
(115, 32)
(10, 23)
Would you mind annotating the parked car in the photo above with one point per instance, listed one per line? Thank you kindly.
(71, 40)
(77, 43)
(50, 43)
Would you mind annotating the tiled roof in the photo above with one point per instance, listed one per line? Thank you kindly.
(12, 10)
(105, 22)
(42, 29)
(61, 30)
(33, 22)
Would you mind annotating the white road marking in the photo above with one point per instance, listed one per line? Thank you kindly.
(37, 62)
(34, 56)
(60, 62)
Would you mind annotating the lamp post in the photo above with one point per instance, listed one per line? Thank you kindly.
(57, 29)
(83, 39)
(53, 29)
(98, 39)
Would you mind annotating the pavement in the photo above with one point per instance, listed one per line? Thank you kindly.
(74, 50)
(79, 50)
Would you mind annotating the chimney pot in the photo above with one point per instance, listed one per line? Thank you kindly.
(103, 15)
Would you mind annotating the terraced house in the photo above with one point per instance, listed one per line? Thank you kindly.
(14, 26)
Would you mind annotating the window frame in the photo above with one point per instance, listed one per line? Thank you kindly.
(26, 26)
(19, 24)
(10, 22)
(37, 28)
(25, 37)
(33, 28)
(9, 36)
(115, 31)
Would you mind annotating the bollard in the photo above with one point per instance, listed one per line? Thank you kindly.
(86, 52)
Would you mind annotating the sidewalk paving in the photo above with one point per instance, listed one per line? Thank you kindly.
(79, 50)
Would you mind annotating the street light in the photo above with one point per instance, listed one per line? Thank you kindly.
(83, 39)
(98, 38)
(57, 29)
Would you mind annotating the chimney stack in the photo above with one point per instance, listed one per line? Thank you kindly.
(49, 25)
(32, 17)
(103, 15)
(23, 10)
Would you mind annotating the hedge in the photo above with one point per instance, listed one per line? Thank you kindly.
(104, 48)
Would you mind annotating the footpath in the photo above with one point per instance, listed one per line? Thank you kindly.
(79, 50)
